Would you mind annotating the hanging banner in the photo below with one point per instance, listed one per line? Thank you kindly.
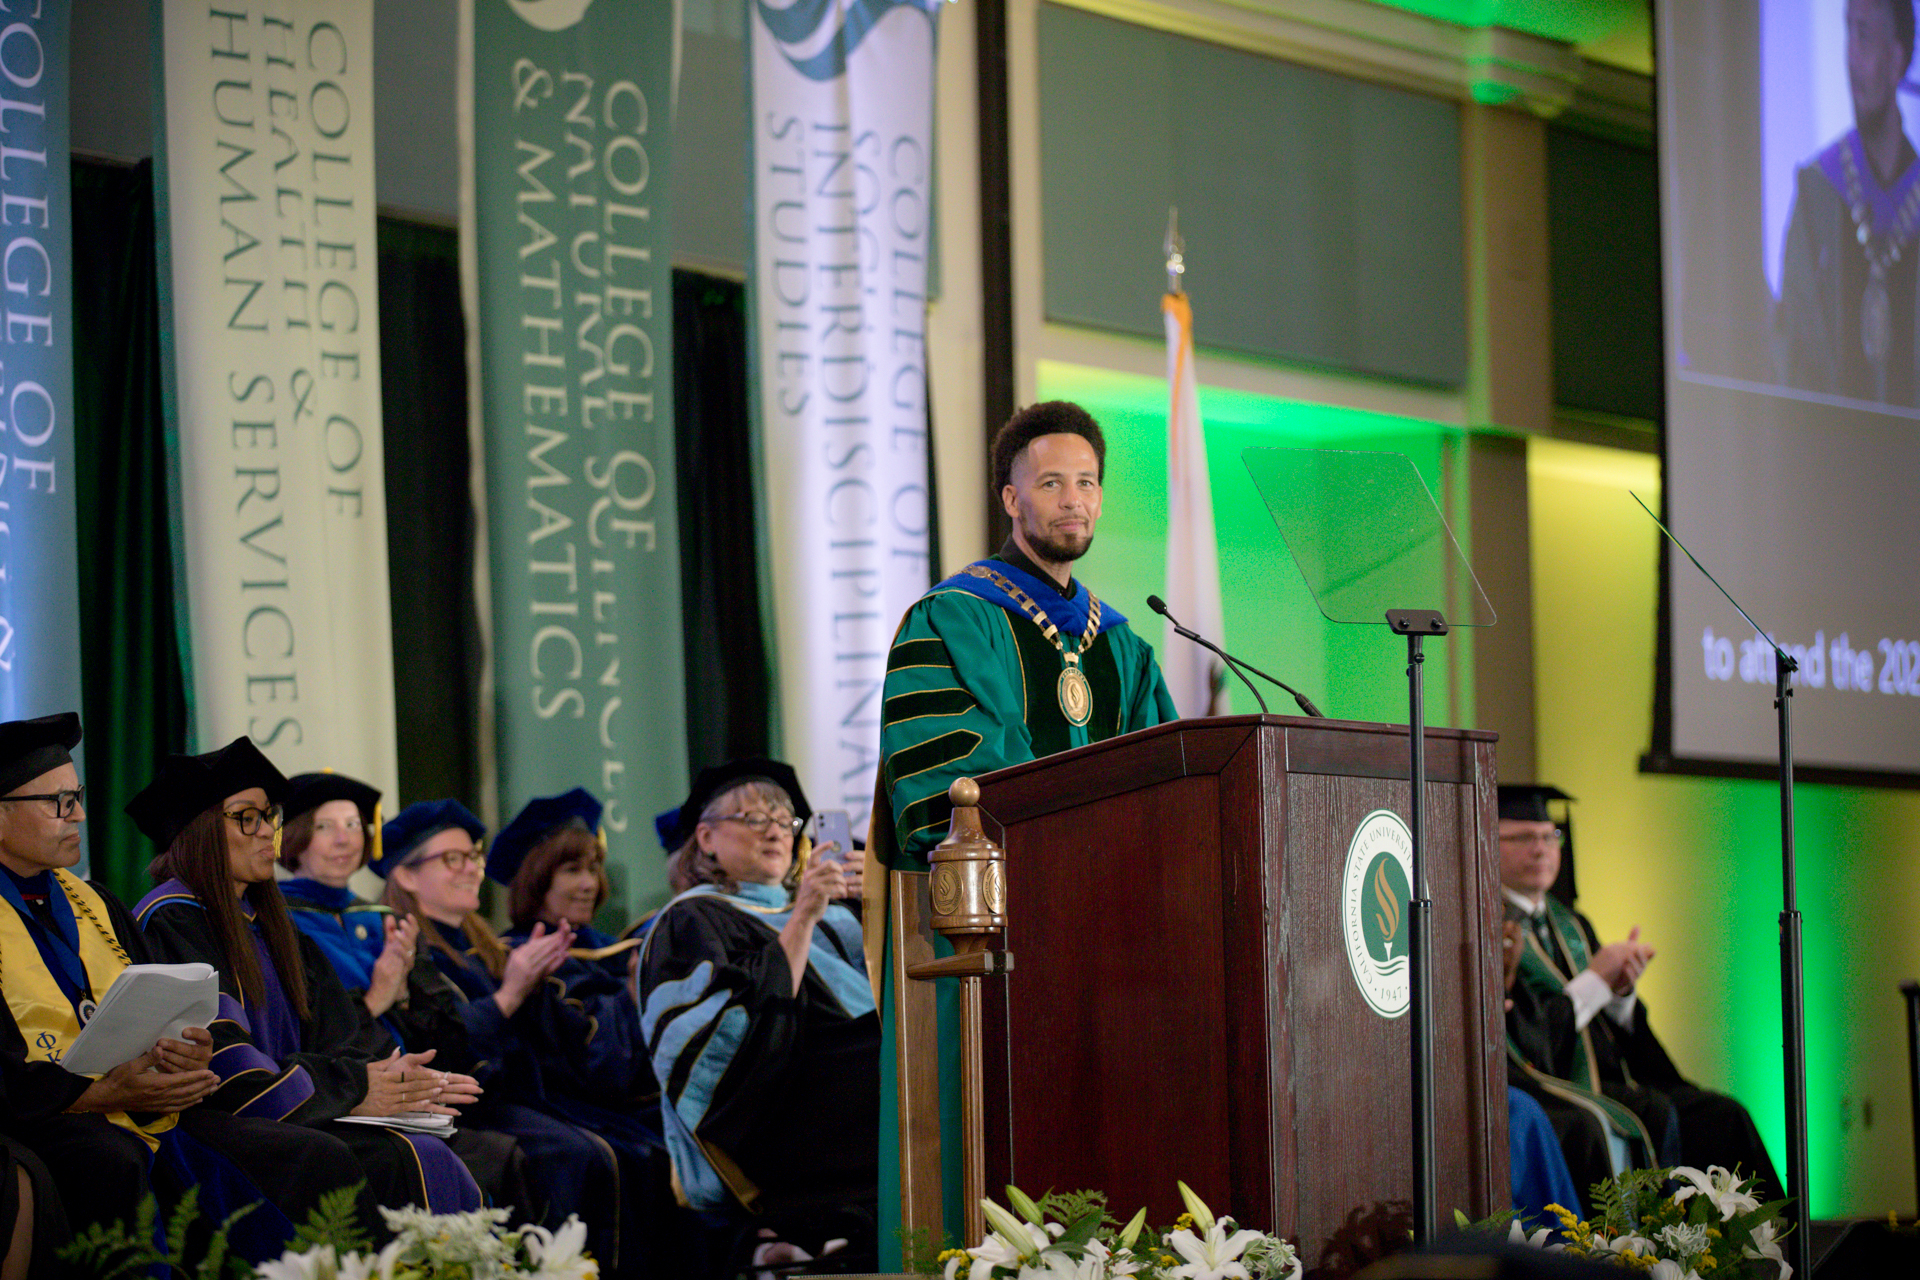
(270, 330)
(39, 586)
(842, 157)
(567, 262)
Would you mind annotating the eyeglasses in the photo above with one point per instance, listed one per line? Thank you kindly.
(64, 802)
(250, 820)
(1552, 839)
(759, 822)
(455, 859)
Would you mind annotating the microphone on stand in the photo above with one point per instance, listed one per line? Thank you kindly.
(1159, 606)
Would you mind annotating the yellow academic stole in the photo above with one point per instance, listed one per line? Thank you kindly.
(45, 1016)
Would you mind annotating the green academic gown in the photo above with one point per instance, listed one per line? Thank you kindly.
(971, 687)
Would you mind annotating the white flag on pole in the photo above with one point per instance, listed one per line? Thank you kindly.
(1194, 676)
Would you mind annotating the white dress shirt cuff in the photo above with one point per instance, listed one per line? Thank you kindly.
(1620, 1008)
(1590, 994)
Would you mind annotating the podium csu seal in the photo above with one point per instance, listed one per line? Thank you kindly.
(1373, 910)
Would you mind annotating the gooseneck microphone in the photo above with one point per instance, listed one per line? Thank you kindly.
(1159, 606)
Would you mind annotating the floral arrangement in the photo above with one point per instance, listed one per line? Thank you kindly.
(1071, 1237)
(331, 1246)
(1709, 1227)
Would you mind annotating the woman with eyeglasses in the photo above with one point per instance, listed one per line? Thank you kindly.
(519, 1021)
(759, 1018)
(289, 1043)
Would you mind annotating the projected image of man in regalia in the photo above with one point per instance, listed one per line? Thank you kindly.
(1845, 320)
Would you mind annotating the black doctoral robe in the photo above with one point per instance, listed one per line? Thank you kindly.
(101, 1172)
(1688, 1125)
(316, 1078)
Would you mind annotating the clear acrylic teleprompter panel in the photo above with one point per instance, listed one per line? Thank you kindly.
(1367, 535)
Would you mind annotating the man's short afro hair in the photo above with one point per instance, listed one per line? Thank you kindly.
(1048, 418)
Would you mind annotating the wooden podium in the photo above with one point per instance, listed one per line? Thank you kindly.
(1182, 1002)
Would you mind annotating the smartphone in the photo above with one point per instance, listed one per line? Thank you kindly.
(830, 826)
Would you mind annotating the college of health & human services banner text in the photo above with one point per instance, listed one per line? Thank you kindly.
(271, 364)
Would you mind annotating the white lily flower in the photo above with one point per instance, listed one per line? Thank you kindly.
(560, 1255)
(1215, 1256)
(1517, 1234)
(317, 1263)
(1717, 1184)
(1123, 1263)
(1668, 1269)
(1628, 1244)
(1002, 1249)
(1055, 1265)
(1765, 1245)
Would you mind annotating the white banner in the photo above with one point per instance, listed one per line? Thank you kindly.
(843, 152)
(273, 333)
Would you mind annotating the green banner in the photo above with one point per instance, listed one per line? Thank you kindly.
(565, 110)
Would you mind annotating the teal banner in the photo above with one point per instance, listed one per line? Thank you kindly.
(566, 128)
(39, 590)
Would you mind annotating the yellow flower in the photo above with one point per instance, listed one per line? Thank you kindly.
(1183, 1223)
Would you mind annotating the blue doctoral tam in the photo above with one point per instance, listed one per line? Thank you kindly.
(542, 816)
(417, 822)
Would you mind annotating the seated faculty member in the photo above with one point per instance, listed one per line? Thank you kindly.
(324, 836)
(570, 1061)
(289, 1042)
(140, 1128)
(759, 1018)
(1577, 1021)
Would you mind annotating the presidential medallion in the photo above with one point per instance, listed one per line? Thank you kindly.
(1876, 316)
(1076, 696)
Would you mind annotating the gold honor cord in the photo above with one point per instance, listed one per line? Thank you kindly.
(1075, 694)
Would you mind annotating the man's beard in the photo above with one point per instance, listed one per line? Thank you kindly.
(1055, 551)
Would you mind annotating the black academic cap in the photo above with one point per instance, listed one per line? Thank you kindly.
(415, 823)
(543, 814)
(675, 828)
(1527, 802)
(188, 786)
(308, 791)
(29, 748)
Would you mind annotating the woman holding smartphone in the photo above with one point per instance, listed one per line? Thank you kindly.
(759, 1018)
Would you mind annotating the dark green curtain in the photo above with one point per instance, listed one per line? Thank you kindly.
(729, 682)
(437, 657)
(134, 699)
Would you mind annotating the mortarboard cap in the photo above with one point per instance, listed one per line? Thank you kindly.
(542, 815)
(29, 748)
(1527, 802)
(416, 823)
(675, 827)
(308, 791)
(188, 786)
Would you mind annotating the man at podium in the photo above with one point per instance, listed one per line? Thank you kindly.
(1009, 660)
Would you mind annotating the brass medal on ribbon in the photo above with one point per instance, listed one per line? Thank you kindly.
(1076, 695)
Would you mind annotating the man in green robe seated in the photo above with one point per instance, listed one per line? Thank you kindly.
(1009, 660)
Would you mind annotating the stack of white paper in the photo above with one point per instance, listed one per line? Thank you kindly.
(145, 1004)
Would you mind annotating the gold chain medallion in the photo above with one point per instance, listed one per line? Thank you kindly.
(1075, 694)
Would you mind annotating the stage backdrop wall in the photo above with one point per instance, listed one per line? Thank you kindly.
(270, 324)
(39, 591)
(842, 164)
(1695, 862)
(566, 167)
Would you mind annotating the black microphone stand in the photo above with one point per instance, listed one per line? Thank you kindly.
(1159, 606)
(1793, 999)
(1415, 625)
